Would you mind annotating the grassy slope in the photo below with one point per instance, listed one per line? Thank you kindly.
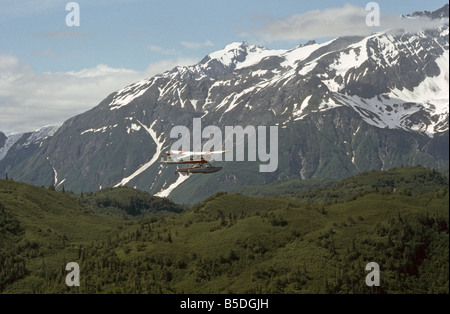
(236, 243)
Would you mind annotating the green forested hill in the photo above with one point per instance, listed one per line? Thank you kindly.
(231, 243)
(39, 230)
(285, 187)
(406, 180)
(127, 202)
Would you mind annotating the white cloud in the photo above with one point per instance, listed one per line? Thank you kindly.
(196, 45)
(29, 100)
(8, 62)
(349, 20)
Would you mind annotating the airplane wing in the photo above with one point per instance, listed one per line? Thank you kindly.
(181, 157)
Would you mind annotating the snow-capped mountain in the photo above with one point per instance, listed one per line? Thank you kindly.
(16, 147)
(9, 140)
(344, 106)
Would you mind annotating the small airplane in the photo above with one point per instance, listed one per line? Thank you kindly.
(200, 161)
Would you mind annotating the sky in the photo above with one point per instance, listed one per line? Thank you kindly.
(51, 70)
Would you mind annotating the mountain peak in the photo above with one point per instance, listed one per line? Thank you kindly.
(236, 45)
(235, 53)
(235, 56)
(309, 43)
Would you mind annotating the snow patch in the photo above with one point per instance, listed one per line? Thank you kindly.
(102, 130)
(298, 54)
(54, 171)
(253, 55)
(173, 186)
(353, 57)
(127, 95)
(134, 127)
(328, 104)
(10, 141)
(194, 103)
(159, 144)
(259, 73)
(59, 184)
(297, 113)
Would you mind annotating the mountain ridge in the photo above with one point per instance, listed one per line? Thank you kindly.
(344, 106)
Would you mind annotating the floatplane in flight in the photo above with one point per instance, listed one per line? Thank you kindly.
(200, 162)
